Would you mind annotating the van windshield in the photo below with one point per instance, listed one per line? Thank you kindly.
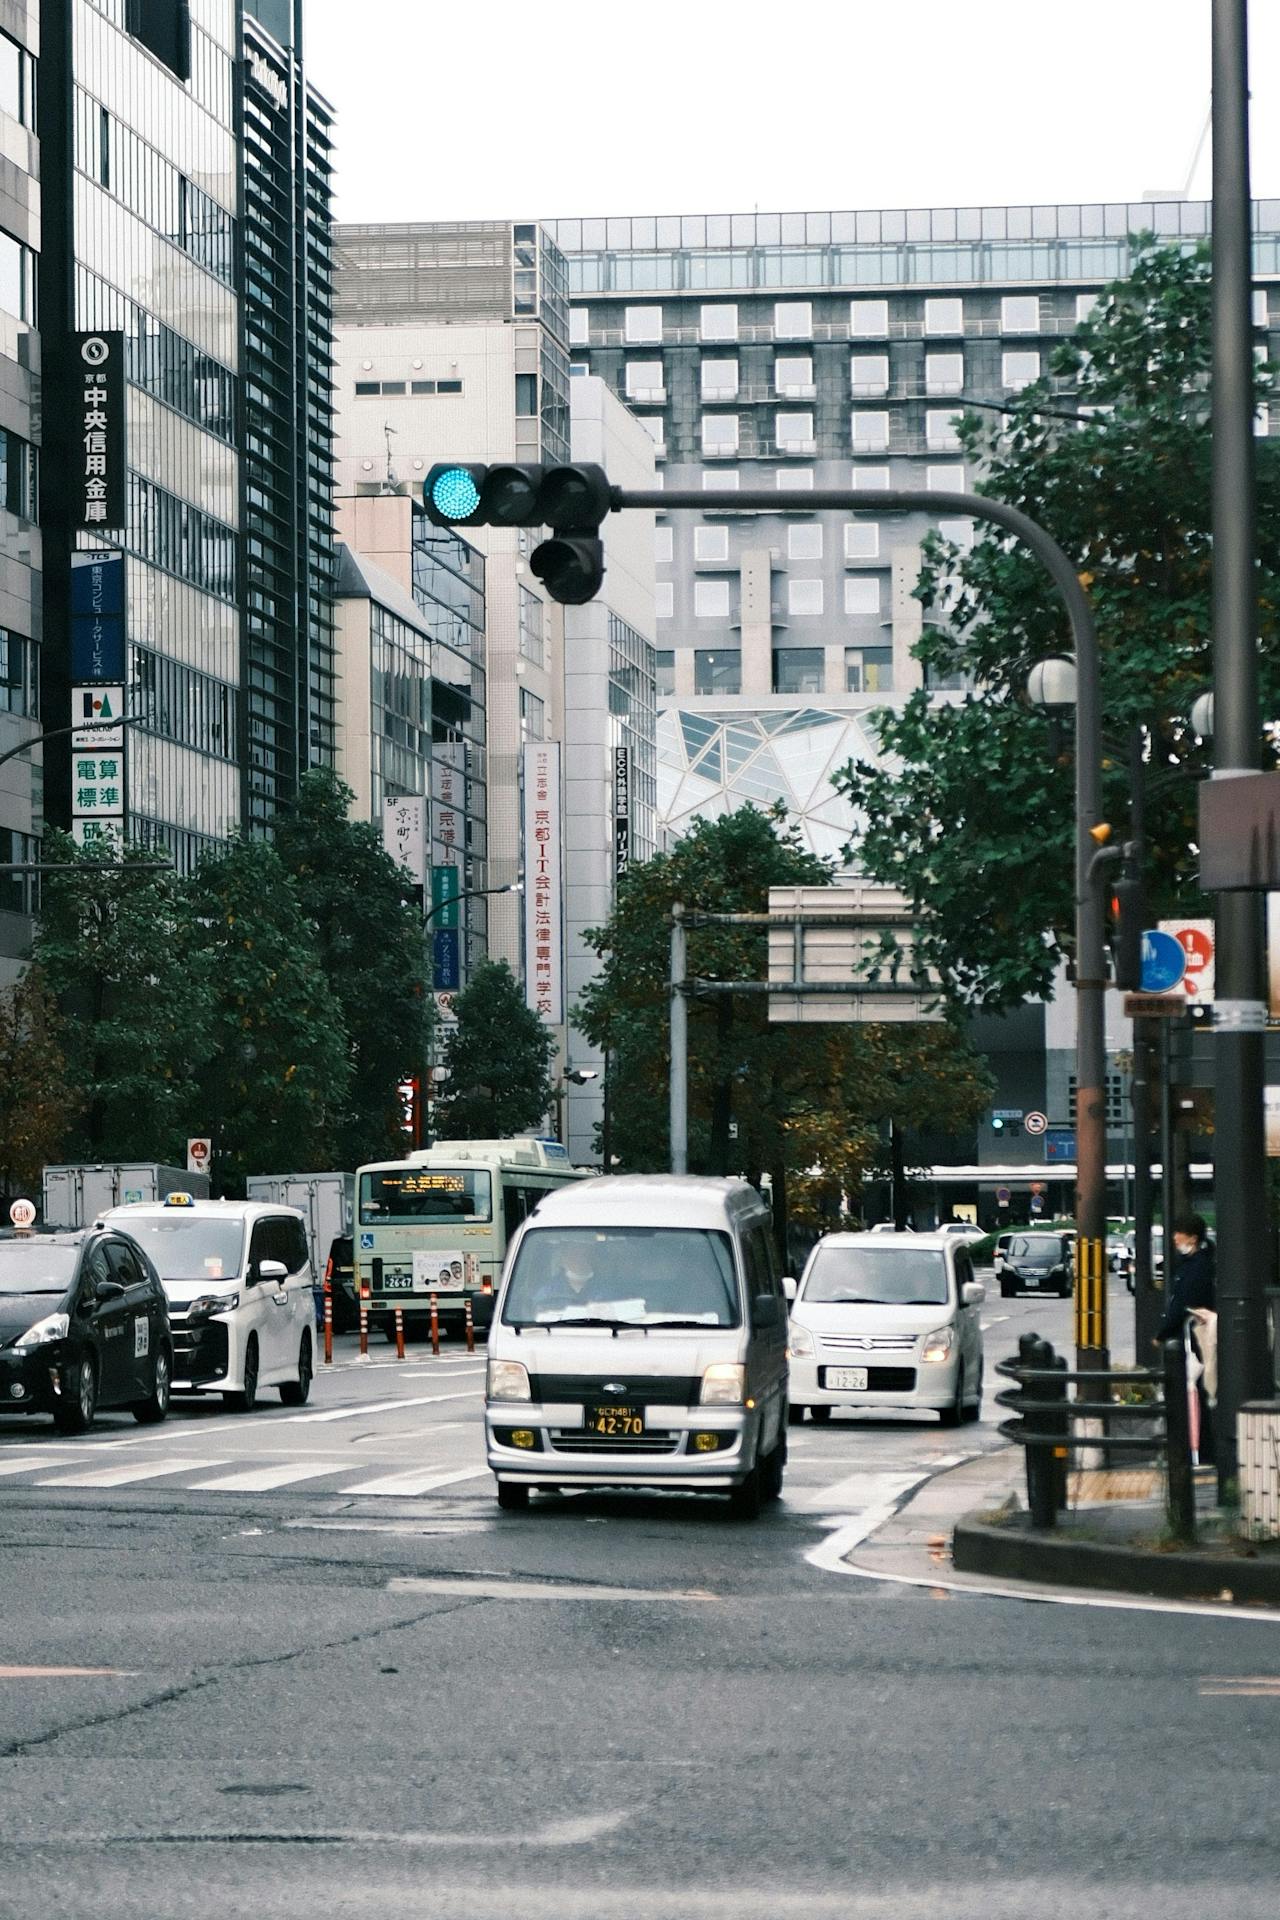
(623, 1277)
(188, 1246)
(878, 1276)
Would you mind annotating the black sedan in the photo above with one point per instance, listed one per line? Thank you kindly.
(1037, 1263)
(83, 1324)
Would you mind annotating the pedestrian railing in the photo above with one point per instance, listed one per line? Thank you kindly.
(1051, 1423)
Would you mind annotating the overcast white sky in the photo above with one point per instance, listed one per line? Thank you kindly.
(488, 109)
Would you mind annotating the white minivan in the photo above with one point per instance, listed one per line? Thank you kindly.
(639, 1339)
(881, 1321)
(237, 1274)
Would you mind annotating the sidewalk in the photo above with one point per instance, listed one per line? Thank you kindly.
(967, 1530)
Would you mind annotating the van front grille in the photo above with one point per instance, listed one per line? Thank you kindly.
(573, 1440)
(645, 1390)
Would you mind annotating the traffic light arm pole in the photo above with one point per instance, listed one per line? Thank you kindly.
(1091, 1140)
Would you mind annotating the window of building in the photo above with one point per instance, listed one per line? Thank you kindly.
(533, 717)
(419, 386)
(958, 532)
(723, 482)
(944, 316)
(868, 479)
(19, 674)
(19, 489)
(526, 396)
(794, 479)
(868, 669)
(869, 319)
(711, 543)
(862, 540)
(718, 323)
(104, 147)
(17, 81)
(791, 371)
(655, 425)
(794, 430)
(804, 597)
(17, 279)
(720, 433)
(364, 388)
(1020, 313)
(711, 599)
(793, 320)
(644, 379)
(164, 28)
(397, 387)
(718, 672)
(862, 595)
(945, 479)
(869, 372)
(445, 386)
(1018, 370)
(579, 327)
(719, 379)
(939, 430)
(579, 369)
(1261, 317)
(642, 326)
(943, 372)
(664, 672)
(531, 629)
(870, 432)
(1085, 304)
(664, 599)
(798, 669)
(804, 540)
(664, 541)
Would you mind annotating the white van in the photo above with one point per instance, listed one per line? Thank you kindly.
(237, 1274)
(888, 1321)
(640, 1340)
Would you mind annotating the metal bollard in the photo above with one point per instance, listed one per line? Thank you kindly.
(364, 1331)
(399, 1333)
(471, 1331)
(328, 1321)
(1180, 1489)
(435, 1325)
(1042, 1472)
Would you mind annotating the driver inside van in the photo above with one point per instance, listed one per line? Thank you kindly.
(569, 1285)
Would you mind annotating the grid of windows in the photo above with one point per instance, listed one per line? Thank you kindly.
(633, 689)
(130, 168)
(186, 706)
(180, 538)
(160, 361)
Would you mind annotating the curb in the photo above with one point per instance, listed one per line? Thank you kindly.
(1013, 1551)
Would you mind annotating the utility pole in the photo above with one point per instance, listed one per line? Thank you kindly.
(679, 1109)
(1240, 1011)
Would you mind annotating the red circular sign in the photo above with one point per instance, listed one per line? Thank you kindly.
(1198, 947)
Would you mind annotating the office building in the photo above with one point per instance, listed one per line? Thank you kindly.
(21, 775)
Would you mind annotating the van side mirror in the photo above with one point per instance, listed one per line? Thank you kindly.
(271, 1272)
(973, 1293)
(790, 1288)
(766, 1311)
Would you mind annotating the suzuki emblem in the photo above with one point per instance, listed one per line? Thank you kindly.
(615, 1386)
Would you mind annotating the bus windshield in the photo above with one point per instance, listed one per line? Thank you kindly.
(425, 1196)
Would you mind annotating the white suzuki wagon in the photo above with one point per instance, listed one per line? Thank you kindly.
(237, 1274)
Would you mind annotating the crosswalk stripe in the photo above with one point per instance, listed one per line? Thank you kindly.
(853, 1493)
(31, 1466)
(364, 1407)
(262, 1479)
(408, 1484)
(128, 1475)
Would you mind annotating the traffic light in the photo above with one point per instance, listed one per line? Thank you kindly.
(572, 501)
(1128, 918)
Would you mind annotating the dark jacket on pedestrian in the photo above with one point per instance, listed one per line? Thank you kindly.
(1193, 1286)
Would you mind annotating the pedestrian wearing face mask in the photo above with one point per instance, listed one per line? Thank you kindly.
(1192, 1291)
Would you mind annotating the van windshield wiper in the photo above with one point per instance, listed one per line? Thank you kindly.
(703, 1325)
(584, 1320)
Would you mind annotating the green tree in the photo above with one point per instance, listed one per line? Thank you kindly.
(498, 1061)
(277, 1069)
(38, 1100)
(116, 947)
(971, 811)
(369, 941)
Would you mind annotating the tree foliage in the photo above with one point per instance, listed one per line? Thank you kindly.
(38, 1100)
(971, 811)
(497, 1060)
(369, 942)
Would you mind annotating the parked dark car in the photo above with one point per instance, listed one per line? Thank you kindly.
(84, 1324)
(1037, 1263)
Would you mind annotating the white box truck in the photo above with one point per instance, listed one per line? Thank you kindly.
(326, 1202)
(74, 1196)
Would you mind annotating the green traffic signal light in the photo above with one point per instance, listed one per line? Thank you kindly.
(453, 494)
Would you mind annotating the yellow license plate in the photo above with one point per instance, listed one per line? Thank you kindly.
(616, 1422)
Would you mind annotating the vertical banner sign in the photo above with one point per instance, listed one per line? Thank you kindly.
(448, 781)
(404, 834)
(98, 495)
(98, 785)
(97, 619)
(543, 882)
(621, 810)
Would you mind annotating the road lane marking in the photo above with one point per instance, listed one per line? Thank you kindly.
(377, 1406)
(1244, 1686)
(68, 1673)
(856, 1491)
(262, 1479)
(418, 1481)
(128, 1475)
(499, 1589)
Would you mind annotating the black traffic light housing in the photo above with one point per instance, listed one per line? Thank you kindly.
(1128, 921)
(571, 500)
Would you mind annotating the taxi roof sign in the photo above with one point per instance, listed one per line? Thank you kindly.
(23, 1215)
(178, 1200)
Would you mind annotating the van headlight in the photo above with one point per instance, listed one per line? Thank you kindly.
(54, 1327)
(724, 1384)
(800, 1343)
(507, 1380)
(938, 1345)
(207, 1304)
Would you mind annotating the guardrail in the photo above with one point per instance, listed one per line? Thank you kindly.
(1048, 1422)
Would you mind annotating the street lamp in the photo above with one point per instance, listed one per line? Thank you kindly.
(471, 893)
(573, 1077)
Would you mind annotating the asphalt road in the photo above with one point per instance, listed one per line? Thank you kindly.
(329, 1678)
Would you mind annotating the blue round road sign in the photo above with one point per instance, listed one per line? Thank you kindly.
(1164, 962)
